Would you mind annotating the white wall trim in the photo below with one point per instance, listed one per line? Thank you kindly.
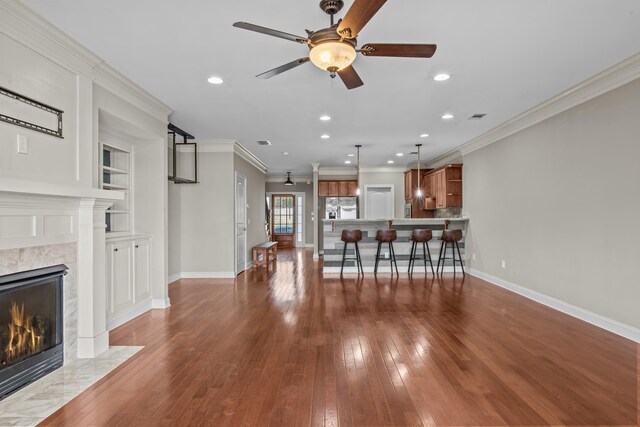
(161, 303)
(281, 178)
(605, 323)
(230, 146)
(205, 275)
(382, 169)
(172, 278)
(130, 315)
(332, 171)
(29, 28)
(612, 78)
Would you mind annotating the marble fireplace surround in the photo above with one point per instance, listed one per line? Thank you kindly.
(44, 224)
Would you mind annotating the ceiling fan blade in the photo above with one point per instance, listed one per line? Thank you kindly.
(399, 50)
(357, 16)
(282, 68)
(270, 32)
(350, 78)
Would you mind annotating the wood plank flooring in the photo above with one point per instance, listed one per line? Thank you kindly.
(291, 348)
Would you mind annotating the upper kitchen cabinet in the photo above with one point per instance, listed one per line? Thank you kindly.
(443, 187)
(337, 188)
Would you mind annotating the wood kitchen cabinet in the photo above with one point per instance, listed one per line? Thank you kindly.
(337, 188)
(410, 192)
(443, 188)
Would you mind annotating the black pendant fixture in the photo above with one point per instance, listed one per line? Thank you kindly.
(288, 181)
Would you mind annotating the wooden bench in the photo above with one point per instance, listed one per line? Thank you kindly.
(266, 249)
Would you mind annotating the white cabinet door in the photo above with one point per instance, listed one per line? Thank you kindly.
(141, 282)
(121, 283)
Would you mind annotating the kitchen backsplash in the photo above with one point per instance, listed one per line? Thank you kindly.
(448, 213)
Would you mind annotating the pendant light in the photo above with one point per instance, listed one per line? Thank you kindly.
(288, 181)
(358, 168)
(419, 190)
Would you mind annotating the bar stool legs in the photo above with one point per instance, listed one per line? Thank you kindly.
(357, 258)
(443, 256)
(392, 258)
(425, 251)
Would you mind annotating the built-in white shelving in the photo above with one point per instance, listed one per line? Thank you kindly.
(115, 174)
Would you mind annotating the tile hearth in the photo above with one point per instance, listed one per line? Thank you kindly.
(34, 403)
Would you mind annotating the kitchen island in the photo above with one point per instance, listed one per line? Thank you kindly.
(333, 246)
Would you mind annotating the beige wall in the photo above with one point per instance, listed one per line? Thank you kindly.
(299, 187)
(255, 200)
(206, 217)
(559, 202)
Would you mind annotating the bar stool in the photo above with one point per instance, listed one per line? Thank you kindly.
(351, 236)
(420, 236)
(453, 237)
(386, 236)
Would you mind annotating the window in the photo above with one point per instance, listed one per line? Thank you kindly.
(283, 213)
(300, 211)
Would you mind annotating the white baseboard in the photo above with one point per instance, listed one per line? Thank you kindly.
(308, 245)
(161, 303)
(136, 311)
(202, 275)
(387, 269)
(595, 319)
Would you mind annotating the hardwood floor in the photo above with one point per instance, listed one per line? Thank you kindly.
(291, 348)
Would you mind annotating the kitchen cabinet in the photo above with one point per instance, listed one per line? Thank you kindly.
(128, 282)
(443, 188)
(410, 192)
(337, 188)
(323, 188)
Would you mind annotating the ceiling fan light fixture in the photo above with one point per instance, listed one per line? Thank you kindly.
(332, 55)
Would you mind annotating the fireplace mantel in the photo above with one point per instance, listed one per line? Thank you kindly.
(39, 214)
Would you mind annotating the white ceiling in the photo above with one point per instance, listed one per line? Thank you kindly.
(504, 56)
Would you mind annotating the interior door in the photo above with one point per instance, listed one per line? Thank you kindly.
(379, 203)
(241, 223)
(283, 219)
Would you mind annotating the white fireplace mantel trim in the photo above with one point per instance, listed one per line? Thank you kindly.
(37, 213)
(38, 188)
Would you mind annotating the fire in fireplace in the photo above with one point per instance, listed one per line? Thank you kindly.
(31, 326)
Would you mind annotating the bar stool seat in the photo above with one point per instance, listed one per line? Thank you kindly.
(420, 236)
(386, 236)
(351, 236)
(450, 237)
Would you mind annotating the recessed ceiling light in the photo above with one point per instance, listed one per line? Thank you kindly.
(285, 153)
(325, 136)
(399, 154)
(325, 118)
(351, 155)
(447, 116)
(441, 77)
(390, 161)
(215, 80)
(347, 162)
(424, 135)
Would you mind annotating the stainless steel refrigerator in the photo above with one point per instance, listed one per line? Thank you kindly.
(341, 207)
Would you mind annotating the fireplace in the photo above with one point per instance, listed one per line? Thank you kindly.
(31, 326)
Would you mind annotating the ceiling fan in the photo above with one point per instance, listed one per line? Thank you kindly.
(334, 48)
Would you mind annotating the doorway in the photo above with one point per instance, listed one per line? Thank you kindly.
(378, 201)
(283, 220)
(241, 222)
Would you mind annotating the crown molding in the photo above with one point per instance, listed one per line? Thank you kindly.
(606, 81)
(30, 29)
(230, 146)
(111, 79)
(332, 171)
(382, 169)
(279, 179)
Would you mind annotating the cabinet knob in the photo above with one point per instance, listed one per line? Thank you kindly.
(136, 246)
(115, 249)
